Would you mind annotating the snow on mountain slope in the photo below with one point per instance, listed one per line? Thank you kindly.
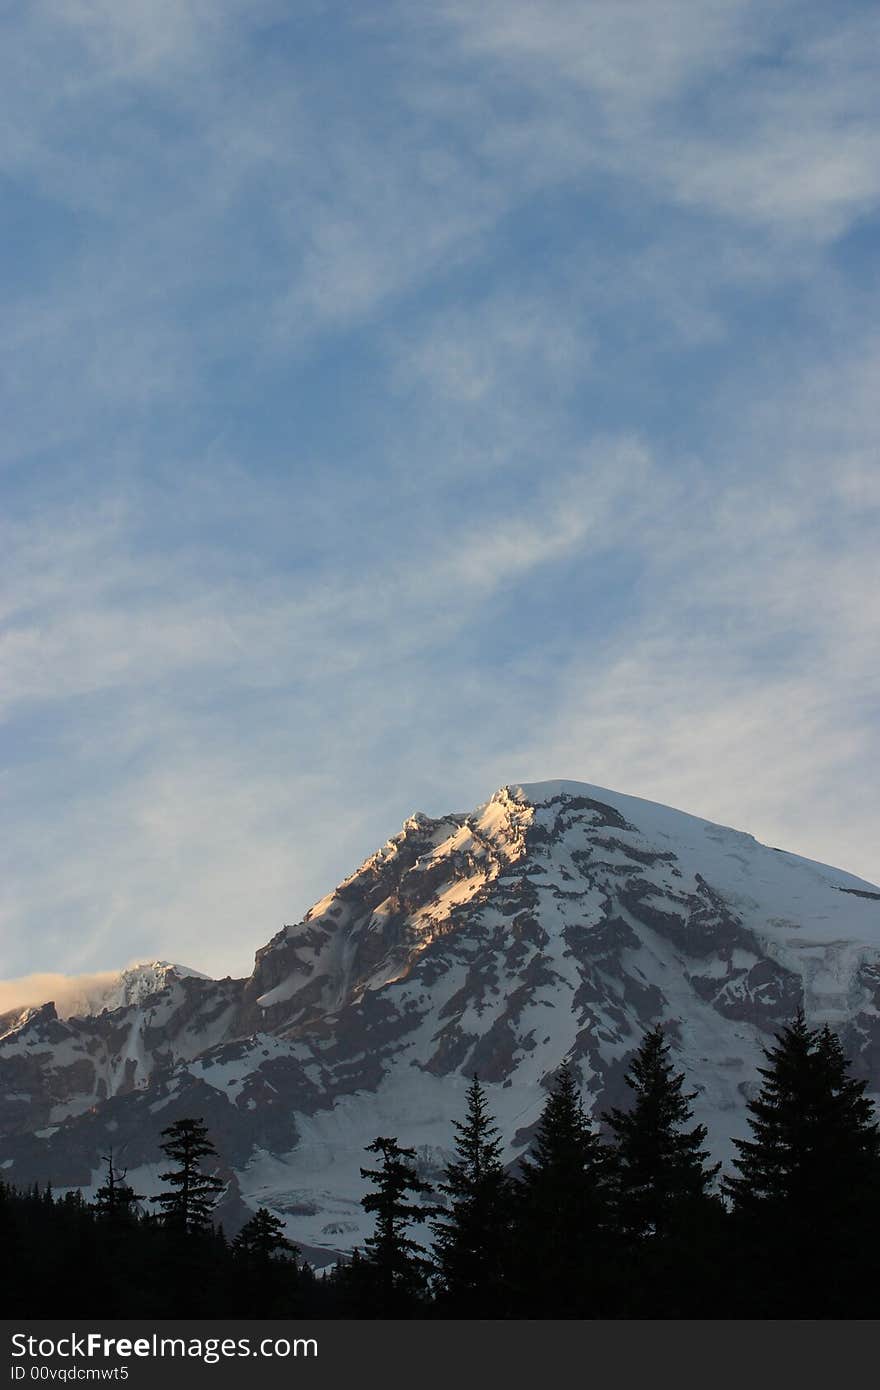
(557, 920)
(107, 1041)
(138, 982)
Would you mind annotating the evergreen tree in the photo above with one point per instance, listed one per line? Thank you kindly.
(807, 1195)
(669, 1230)
(268, 1261)
(394, 1267)
(472, 1236)
(561, 1212)
(657, 1166)
(262, 1239)
(193, 1196)
(810, 1123)
(116, 1201)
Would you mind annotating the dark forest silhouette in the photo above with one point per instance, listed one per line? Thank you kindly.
(629, 1222)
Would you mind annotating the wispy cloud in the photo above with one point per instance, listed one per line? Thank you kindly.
(748, 688)
(765, 116)
(400, 403)
(69, 993)
(491, 346)
(196, 817)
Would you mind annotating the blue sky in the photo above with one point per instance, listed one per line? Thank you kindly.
(400, 400)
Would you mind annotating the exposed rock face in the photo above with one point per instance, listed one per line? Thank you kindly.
(557, 920)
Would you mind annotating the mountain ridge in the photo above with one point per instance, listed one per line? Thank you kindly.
(557, 919)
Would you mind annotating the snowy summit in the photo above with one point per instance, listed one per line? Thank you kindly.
(557, 920)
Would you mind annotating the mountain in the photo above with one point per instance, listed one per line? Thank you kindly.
(558, 919)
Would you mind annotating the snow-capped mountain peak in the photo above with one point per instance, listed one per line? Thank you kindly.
(137, 982)
(557, 919)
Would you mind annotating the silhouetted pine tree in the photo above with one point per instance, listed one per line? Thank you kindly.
(116, 1201)
(191, 1256)
(809, 1122)
(472, 1236)
(667, 1224)
(262, 1239)
(393, 1272)
(115, 1217)
(193, 1196)
(807, 1195)
(658, 1166)
(560, 1215)
(267, 1263)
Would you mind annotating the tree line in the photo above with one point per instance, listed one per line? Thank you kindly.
(626, 1220)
